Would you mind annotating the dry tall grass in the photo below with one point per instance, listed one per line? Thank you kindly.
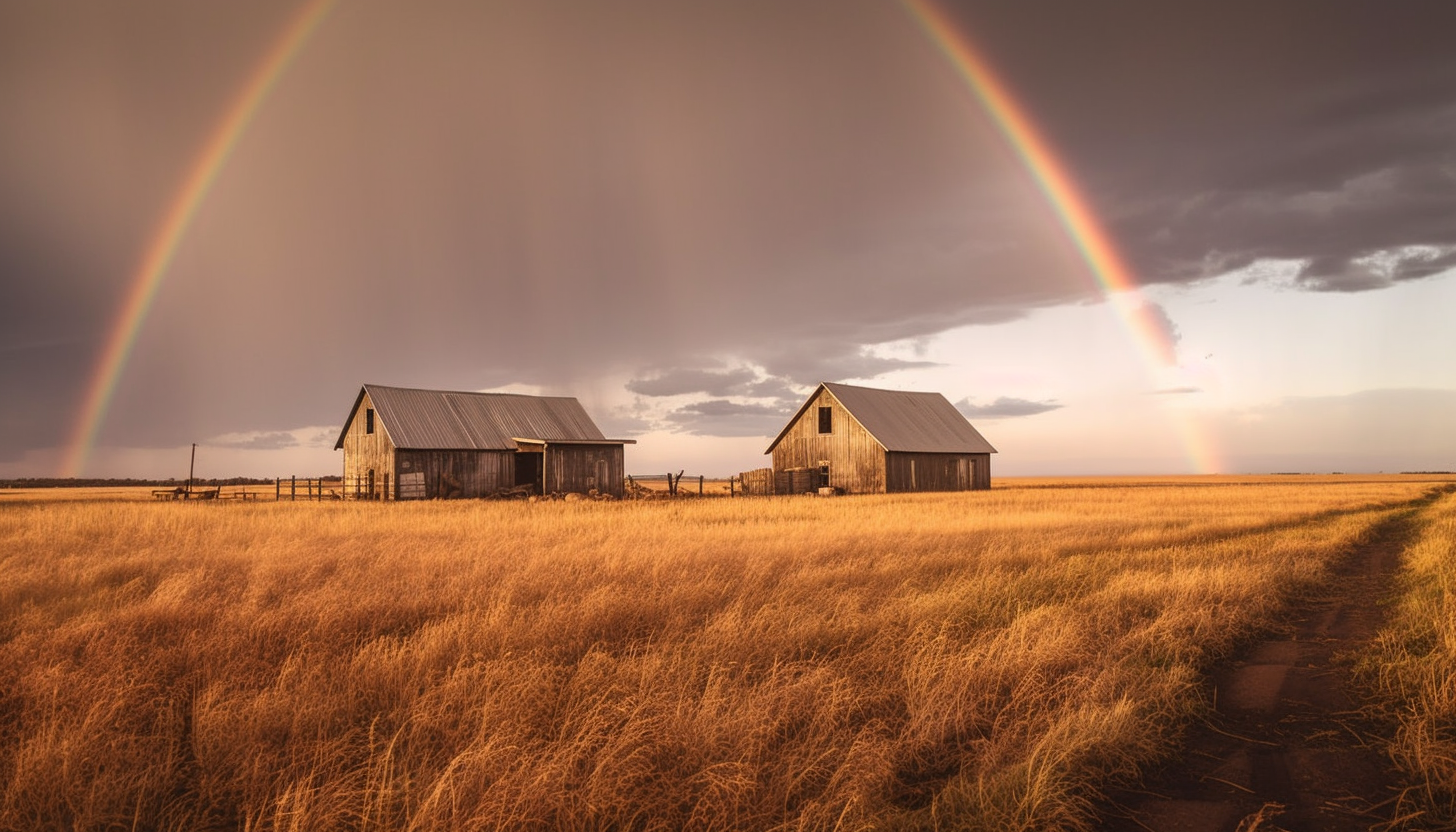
(1413, 666)
(971, 661)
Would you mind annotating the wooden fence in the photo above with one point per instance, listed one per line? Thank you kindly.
(680, 484)
(295, 489)
(766, 482)
(757, 483)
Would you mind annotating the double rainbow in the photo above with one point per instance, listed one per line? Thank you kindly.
(1098, 250)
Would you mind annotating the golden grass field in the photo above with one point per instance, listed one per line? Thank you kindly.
(1412, 665)
(985, 660)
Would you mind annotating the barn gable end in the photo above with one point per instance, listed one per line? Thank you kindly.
(854, 459)
(864, 440)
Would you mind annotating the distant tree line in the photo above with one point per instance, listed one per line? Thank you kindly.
(83, 482)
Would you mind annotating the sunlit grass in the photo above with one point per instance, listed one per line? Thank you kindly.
(980, 660)
(1412, 666)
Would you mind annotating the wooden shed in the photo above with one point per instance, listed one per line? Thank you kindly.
(405, 444)
(865, 441)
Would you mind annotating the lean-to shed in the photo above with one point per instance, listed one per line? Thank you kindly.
(401, 443)
(864, 440)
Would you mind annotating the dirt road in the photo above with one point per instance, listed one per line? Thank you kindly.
(1285, 748)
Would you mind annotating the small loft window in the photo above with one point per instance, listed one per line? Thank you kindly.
(369, 420)
(826, 420)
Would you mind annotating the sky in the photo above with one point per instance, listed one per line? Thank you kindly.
(217, 221)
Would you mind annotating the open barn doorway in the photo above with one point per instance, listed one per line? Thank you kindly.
(529, 468)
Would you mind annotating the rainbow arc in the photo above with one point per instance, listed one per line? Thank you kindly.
(1096, 247)
(142, 289)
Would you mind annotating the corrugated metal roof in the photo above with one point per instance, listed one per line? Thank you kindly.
(450, 420)
(902, 420)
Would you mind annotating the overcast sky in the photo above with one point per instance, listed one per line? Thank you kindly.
(687, 214)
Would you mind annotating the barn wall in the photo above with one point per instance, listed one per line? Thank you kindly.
(937, 472)
(364, 451)
(981, 472)
(856, 460)
(452, 474)
(580, 468)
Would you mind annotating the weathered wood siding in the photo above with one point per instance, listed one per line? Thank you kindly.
(364, 451)
(856, 461)
(937, 472)
(580, 468)
(458, 474)
(980, 472)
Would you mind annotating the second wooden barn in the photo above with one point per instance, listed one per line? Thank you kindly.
(402, 443)
(863, 440)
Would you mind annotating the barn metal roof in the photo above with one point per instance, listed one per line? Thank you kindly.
(902, 420)
(451, 420)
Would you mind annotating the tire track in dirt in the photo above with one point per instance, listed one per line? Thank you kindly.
(1285, 747)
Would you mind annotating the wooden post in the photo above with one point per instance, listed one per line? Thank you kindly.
(277, 489)
(293, 487)
(191, 466)
(700, 485)
(385, 495)
(730, 487)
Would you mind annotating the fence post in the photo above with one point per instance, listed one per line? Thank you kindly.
(277, 489)
(293, 488)
(700, 485)
(730, 487)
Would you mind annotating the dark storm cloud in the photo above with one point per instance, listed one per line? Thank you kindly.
(466, 195)
(1004, 408)
(1211, 135)
(678, 382)
(817, 361)
(720, 417)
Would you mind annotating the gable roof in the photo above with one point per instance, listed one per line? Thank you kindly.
(902, 420)
(451, 420)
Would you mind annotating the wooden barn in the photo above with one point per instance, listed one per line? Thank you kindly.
(864, 441)
(406, 444)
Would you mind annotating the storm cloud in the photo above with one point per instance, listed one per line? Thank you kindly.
(720, 417)
(722, 201)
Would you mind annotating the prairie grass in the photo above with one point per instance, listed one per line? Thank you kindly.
(1412, 667)
(986, 660)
